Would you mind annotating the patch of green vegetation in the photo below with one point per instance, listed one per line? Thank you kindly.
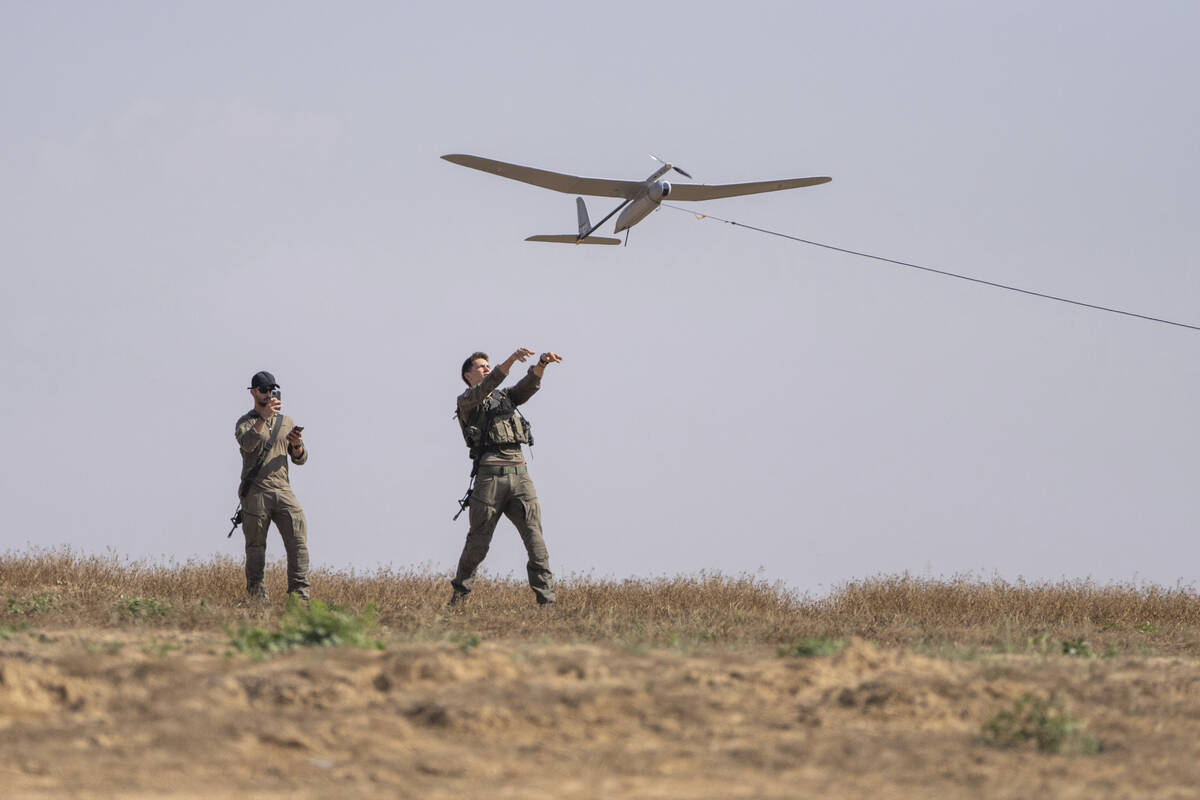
(312, 624)
(7, 631)
(32, 605)
(140, 609)
(160, 649)
(812, 647)
(468, 642)
(1080, 647)
(1046, 723)
(1146, 627)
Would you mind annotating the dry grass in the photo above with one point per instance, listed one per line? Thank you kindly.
(55, 589)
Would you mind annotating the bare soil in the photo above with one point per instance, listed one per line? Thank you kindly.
(134, 712)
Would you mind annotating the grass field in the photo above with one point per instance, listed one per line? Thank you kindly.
(131, 679)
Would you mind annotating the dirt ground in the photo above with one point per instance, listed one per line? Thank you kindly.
(131, 714)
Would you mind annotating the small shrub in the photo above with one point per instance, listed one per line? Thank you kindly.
(1146, 627)
(308, 625)
(7, 631)
(1078, 647)
(469, 642)
(257, 642)
(141, 608)
(36, 603)
(811, 647)
(1046, 723)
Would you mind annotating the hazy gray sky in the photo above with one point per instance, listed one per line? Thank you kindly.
(196, 191)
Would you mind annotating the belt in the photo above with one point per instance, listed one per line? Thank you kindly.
(488, 469)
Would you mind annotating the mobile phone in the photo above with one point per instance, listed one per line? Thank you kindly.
(297, 428)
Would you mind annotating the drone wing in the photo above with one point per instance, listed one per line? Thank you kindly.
(701, 191)
(558, 181)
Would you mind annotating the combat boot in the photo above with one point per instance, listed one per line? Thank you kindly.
(457, 600)
(257, 592)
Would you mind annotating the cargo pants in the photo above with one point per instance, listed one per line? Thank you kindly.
(260, 508)
(508, 491)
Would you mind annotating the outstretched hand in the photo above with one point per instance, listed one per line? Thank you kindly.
(544, 360)
(520, 354)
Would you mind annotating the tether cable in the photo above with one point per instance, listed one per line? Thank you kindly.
(937, 271)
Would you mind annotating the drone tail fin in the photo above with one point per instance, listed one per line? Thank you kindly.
(585, 229)
(585, 224)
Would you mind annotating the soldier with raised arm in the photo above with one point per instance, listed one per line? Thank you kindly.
(494, 431)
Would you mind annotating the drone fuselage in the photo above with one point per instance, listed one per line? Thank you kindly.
(641, 206)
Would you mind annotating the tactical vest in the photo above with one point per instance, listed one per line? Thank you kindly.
(496, 422)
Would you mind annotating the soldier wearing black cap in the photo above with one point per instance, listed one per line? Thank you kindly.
(267, 437)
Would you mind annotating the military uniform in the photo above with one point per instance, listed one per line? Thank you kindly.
(495, 431)
(268, 499)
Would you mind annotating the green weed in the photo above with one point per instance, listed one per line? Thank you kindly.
(1046, 723)
(1146, 627)
(7, 631)
(36, 603)
(308, 625)
(160, 649)
(469, 642)
(1078, 647)
(139, 609)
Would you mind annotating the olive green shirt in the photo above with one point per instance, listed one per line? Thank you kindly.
(274, 472)
(470, 401)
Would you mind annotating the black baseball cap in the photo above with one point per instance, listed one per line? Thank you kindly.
(263, 381)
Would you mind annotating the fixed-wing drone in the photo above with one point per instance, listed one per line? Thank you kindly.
(639, 197)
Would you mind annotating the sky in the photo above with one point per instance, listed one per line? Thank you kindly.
(192, 192)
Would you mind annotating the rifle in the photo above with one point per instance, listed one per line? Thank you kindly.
(466, 498)
(477, 457)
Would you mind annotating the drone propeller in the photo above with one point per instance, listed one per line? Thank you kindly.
(672, 166)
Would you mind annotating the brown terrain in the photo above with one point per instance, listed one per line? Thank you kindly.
(130, 680)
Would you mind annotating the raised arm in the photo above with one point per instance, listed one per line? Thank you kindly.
(471, 399)
(525, 388)
(251, 434)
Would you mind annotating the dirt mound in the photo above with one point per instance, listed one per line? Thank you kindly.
(31, 690)
(553, 720)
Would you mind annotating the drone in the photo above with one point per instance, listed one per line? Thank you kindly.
(639, 198)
